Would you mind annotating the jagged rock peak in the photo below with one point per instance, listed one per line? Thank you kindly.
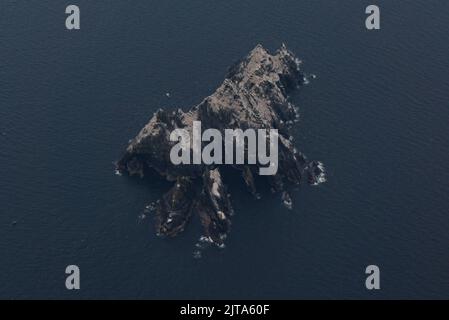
(253, 95)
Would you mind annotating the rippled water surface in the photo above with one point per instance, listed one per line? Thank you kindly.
(377, 116)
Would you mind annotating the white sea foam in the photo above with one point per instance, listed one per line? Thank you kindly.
(321, 178)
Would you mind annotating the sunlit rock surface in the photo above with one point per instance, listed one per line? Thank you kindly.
(253, 95)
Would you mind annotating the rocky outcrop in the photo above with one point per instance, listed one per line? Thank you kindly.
(253, 95)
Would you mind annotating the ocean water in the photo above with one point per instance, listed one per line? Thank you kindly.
(377, 116)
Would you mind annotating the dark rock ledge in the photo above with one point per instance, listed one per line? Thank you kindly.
(253, 95)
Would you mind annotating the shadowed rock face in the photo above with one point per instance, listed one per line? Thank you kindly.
(253, 95)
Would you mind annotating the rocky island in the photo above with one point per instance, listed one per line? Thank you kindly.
(254, 95)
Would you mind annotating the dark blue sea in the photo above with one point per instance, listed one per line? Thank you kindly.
(377, 116)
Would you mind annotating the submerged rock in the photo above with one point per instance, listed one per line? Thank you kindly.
(253, 95)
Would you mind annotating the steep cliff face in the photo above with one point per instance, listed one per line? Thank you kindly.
(253, 95)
